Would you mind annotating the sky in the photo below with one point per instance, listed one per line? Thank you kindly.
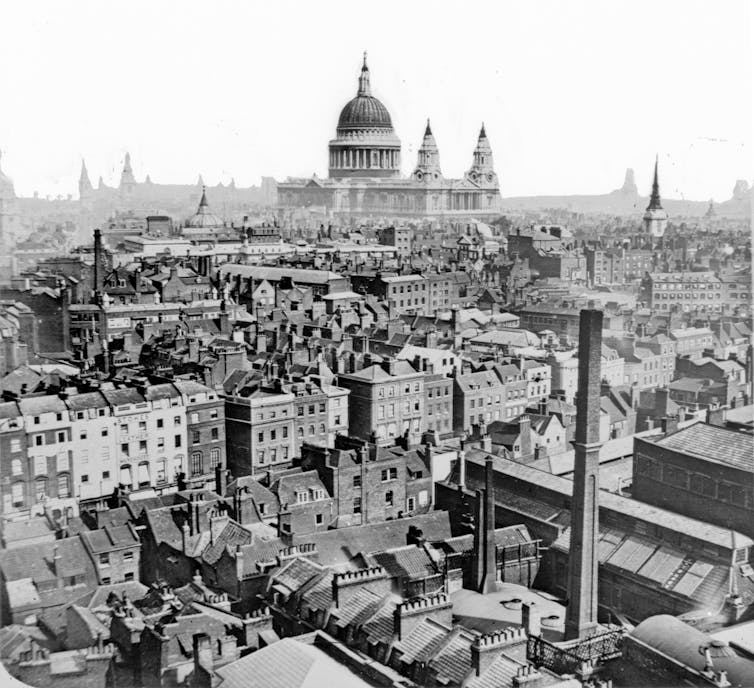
(571, 92)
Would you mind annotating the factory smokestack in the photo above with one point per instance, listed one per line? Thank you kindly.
(99, 269)
(581, 614)
(485, 548)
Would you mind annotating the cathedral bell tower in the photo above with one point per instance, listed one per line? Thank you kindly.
(482, 170)
(428, 159)
(127, 179)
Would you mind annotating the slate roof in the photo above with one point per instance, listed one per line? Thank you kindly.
(287, 663)
(405, 562)
(110, 538)
(338, 547)
(35, 561)
(631, 508)
(713, 443)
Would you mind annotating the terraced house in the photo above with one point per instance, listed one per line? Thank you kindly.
(82, 445)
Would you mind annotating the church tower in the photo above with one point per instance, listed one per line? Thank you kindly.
(85, 185)
(127, 180)
(428, 159)
(655, 218)
(482, 168)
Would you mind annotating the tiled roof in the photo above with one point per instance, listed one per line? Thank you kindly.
(296, 573)
(423, 640)
(230, 536)
(452, 661)
(379, 629)
(410, 562)
(712, 443)
(360, 607)
(499, 674)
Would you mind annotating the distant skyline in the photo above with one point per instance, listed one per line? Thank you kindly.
(571, 93)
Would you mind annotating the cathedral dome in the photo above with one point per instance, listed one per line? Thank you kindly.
(365, 144)
(364, 112)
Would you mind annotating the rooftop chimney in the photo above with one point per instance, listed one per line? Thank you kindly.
(581, 614)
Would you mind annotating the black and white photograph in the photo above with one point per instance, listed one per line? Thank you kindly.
(390, 345)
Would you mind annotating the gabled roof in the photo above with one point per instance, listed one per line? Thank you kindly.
(287, 663)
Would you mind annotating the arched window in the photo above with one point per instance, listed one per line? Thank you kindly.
(311, 431)
(322, 429)
(196, 463)
(125, 476)
(300, 432)
(143, 474)
(178, 464)
(214, 458)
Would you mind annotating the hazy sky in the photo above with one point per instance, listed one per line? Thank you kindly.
(572, 93)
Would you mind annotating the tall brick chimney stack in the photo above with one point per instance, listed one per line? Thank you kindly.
(490, 564)
(99, 268)
(581, 614)
(484, 567)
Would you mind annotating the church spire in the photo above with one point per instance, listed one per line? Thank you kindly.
(127, 175)
(482, 133)
(654, 201)
(655, 217)
(428, 130)
(203, 202)
(364, 89)
(85, 185)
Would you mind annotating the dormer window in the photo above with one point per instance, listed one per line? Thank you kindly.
(302, 496)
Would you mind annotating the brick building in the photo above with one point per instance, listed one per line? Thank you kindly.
(205, 432)
(371, 483)
(497, 393)
(702, 471)
(260, 430)
(115, 552)
(399, 237)
(683, 291)
(386, 401)
(305, 503)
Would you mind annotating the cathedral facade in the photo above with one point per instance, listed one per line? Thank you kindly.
(364, 171)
